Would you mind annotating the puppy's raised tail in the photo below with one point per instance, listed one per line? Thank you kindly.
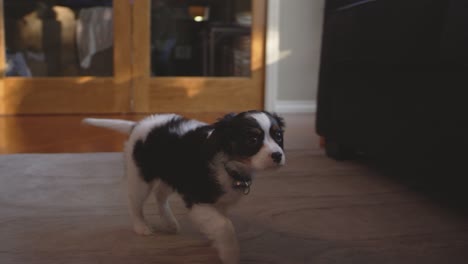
(122, 126)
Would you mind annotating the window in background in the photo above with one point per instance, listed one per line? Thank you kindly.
(201, 38)
(59, 38)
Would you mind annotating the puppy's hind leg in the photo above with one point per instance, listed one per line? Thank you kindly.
(163, 192)
(138, 191)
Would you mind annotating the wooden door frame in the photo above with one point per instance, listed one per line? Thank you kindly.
(47, 95)
(196, 94)
(273, 54)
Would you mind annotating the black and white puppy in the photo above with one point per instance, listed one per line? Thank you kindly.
(209, 166)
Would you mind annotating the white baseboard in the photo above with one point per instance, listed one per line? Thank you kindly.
(283, 106)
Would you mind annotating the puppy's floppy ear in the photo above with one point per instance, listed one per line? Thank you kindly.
(223, 122)
(280, 120)
(222, 132)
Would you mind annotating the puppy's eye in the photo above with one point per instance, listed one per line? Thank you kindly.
(252, 140)
(278, 135)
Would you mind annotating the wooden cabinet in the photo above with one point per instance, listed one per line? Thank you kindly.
(67, 94)
(141, 70)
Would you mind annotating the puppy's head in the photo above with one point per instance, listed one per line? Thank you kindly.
(254, 138)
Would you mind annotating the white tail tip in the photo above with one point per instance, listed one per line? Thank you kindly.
(122, 126)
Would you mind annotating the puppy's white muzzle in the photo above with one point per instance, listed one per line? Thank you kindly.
(268, 157)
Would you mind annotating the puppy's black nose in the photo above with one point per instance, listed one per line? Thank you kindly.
(276, 156)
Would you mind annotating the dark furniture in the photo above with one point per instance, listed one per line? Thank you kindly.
(393, 85)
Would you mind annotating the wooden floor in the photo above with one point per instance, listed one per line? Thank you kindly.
(315, 210)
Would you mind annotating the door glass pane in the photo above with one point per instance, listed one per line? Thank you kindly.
(201, 37)
(53, 38)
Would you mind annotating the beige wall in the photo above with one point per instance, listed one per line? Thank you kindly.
(300, 32)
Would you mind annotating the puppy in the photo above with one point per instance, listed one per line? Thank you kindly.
(209, 166)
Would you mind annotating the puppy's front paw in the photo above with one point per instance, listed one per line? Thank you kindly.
(142, 229)
(172, 228)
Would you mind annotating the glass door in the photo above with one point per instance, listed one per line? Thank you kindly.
(65, 56)
(198, 55)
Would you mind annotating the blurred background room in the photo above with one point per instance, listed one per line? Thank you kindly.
(372, 91)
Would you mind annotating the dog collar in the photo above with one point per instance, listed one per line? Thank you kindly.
(242, 180)
(244, 186)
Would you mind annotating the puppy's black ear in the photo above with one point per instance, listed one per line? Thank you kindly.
(223, 122)
(222, 133)
(280, 120)
(229, 116)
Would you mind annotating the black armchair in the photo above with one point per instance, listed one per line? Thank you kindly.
(393, 84)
